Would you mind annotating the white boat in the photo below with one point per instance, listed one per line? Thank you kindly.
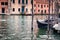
(2, 20)
(57, 27)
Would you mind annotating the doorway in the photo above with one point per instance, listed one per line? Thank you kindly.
(3, 10)
(22, 9)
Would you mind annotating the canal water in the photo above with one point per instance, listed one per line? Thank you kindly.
(19, 28)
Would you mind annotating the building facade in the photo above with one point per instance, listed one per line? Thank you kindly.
(25, 6)
(58, 6)
(21, 6)
(3, 6)
(42, 7)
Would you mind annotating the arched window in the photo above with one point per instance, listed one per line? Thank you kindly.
(13, 9)
(26, 1)
(19, 9)
(18, 1)
(22, 1)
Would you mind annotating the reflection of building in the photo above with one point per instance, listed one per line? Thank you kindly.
(3, 6)
(20, 6)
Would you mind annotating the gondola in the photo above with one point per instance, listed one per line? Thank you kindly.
(44, 23)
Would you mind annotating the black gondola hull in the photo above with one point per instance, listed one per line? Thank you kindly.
(41, 25)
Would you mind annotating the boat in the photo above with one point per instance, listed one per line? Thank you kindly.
(44, 23)
(41, 24)
(3, 20)
(56, 27)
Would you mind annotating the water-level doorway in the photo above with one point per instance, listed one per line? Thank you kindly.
(3, 10)
(22, 9)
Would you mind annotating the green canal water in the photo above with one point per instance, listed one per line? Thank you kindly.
(19, 28)
(43, 32)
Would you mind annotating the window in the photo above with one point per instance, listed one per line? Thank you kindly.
(26, 9)
(47, 5)
(41, 6)
(26, 1)
(41, 11)
(2, 3)
(18, 1)
(13, 1)
(38, 10)
(13, 9)
(22, 1)
(45, 11)
(38, 5)
(19, 9)
(31, 2)
(6, 3)
(44, 5)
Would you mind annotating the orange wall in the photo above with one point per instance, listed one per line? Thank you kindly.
(4, 6)
(41, 2)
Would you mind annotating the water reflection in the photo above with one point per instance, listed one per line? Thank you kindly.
(42, 33)
(18, 27)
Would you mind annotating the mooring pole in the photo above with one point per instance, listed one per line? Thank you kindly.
(32, 21)
(52, 7)
(48, 21)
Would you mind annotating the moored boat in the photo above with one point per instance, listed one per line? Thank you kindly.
(44, 23)
(41, 24)
(57, 28)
